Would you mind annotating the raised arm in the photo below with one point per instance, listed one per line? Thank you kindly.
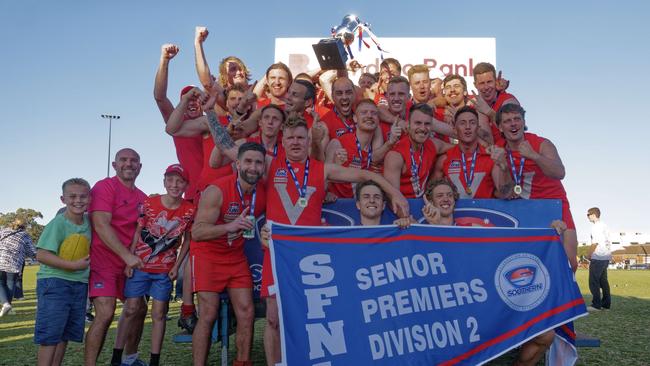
(202, 68)
(547, 159)
(380, 153)
(222, 139)
(500, 174)
(167, 52)
(194, 127)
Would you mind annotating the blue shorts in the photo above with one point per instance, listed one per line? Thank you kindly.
(156, 285)
(60, 311)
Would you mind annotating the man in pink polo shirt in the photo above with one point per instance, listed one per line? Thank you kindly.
(114, 208)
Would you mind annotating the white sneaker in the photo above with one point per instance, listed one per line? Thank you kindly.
(6, 308)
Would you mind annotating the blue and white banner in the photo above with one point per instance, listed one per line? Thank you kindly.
(420, 296)
(468, 212)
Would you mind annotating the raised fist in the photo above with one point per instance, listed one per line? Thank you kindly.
(168, 51)
(201, 34)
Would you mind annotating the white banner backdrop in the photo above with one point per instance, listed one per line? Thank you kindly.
(444, 56)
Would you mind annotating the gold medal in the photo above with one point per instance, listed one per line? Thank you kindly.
(517, 189)
(468, 191)
(302, 202)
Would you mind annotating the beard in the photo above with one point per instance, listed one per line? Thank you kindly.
(251, 179)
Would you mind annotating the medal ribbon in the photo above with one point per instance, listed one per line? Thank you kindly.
(275, 147)
(347, 126)
(515, 176)
(302, 191)
(468, 179)
(369, 152)
(415, 169)
(241, 198)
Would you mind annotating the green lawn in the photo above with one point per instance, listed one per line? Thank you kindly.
(624, 331)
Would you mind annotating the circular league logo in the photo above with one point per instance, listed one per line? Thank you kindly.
(522, 281)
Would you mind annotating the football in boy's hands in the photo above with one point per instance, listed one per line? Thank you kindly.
(74, 247)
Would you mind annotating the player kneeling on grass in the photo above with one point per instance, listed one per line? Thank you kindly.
(62, 280)
(162, 226)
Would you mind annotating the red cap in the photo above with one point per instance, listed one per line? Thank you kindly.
(186, 89)
(177, 169)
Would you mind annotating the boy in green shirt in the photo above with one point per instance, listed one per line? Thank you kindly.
(62, 285)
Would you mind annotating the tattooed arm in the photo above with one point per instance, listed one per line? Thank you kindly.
(222, 139)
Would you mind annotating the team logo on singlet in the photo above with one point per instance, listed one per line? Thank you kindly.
(454, 166)
(341, 131)
(233, 209)
(356, 162)
(280, 175)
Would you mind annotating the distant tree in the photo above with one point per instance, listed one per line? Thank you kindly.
(29, 217)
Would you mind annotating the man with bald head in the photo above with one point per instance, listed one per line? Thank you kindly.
(339, 120)
(114, 209)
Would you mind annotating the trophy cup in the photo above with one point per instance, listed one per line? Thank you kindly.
(333, 53)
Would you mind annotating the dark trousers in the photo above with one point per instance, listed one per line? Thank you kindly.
(598, 281)
(7, 284)
(18, 288)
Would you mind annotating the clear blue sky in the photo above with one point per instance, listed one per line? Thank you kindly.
(581, 72)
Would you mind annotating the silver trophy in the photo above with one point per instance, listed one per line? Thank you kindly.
(333, 53)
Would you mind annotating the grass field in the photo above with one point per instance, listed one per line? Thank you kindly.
(624, 331)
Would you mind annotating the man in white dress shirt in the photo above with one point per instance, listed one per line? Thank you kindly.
(599, 261)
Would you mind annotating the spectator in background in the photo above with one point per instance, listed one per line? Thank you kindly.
(15, 245)
(599, 261)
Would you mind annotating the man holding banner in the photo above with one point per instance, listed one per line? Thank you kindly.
(296, 189)
(536, 168)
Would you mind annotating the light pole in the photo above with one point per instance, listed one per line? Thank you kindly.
(110, 118)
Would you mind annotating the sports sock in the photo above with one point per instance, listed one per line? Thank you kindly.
(154, 360)
(187, 310)
(116, 359)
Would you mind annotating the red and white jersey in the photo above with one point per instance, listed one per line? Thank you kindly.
(229, 248)
(501, 98)
(189, 152)
(283, 194)
(337, 126)
(535, 184)
(482, 184)
(162, 232)
(349, 143)
(272, 151)
(410, 185)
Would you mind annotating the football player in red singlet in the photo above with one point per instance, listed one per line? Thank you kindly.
(476, 171)
(355, 150)
(412, 160)
(227, 209)
(339, 120)
(296, 188)
(274, 86)
(270, 123)
(491, 94)
(189, 150)
(537, 171)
